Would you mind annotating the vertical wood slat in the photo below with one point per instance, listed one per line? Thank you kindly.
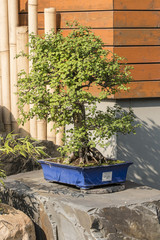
(4, 43)
(13, 23)
(23, 64)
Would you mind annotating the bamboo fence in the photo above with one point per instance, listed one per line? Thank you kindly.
(13, 40)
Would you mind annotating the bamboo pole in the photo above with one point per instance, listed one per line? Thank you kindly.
(33, 28)
(41, 130)
(13, 23)
(59, 136)
(50, 20)
(49, 24)
(1, 121)
(0, 91)
(22, 64)
(33, 16)
(4, 42)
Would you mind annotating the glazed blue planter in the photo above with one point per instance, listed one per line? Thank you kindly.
(84, 177)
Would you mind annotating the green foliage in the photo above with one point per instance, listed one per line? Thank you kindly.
(26, 147)
(2, 176)
(59, 87)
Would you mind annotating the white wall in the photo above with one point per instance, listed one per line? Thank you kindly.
(144, 147)
(111, 150)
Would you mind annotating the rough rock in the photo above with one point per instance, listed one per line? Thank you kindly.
(15, 225)
(61, 212)
(14, 164)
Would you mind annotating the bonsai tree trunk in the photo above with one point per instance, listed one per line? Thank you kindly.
(79, 122)
(85, 152)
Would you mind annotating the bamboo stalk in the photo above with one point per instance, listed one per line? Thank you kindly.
(50, 20)
(1, 121)
(49, 24)
(59, 136)
(33, 16)
(22, 64)
(41, 130)
(13, 23)
(33, 28)
(4, 42)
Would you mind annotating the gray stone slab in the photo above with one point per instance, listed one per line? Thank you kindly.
(61, 212)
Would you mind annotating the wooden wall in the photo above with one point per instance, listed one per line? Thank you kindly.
(137, 37)
(129, 28)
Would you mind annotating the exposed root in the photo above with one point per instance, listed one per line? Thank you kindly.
(90, 155)
(72, 157)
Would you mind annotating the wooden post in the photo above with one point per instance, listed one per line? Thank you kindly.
(50, 24)
(22, 64)
(4, 43)
(13, 23)
(33, 28)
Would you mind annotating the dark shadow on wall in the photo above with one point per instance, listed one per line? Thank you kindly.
(144, 150)
(4, 127)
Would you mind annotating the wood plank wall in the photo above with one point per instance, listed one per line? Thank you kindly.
(129, 28)
(137, 37)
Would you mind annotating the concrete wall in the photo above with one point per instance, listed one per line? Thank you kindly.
(111, 150)
(144, 147)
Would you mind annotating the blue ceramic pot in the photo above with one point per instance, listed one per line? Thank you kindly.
(84, 177)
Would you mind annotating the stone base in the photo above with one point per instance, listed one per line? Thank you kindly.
(65, 213)
(105, 189)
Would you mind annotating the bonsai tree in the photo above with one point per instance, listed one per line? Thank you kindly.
(69, 75)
